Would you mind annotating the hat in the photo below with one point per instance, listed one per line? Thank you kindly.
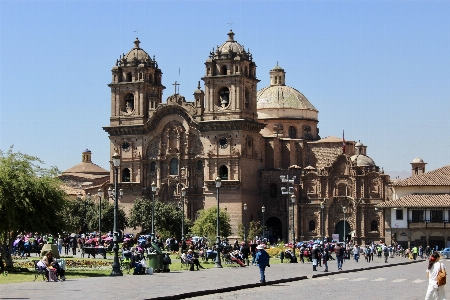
(190, 250)
(260, 247)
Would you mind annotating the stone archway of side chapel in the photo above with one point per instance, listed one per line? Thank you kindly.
(274, 227)
(340, 230)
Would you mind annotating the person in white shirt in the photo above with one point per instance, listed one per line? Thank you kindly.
(434, 266)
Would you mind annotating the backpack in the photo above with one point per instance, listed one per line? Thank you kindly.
(385, 250)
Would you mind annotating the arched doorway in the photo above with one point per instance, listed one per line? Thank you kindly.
(274, 229)
(340, 230)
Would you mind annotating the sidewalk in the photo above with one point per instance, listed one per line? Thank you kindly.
(181, 284)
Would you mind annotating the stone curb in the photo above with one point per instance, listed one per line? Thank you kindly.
(273, 282)
(229, 289)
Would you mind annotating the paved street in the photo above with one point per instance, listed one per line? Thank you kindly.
(400, 281)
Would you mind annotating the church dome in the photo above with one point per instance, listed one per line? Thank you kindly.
(417, 160)
(136, 54)
(231, 46)
(362, 160)
(282, 96)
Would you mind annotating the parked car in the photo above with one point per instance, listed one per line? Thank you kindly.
(445, 253)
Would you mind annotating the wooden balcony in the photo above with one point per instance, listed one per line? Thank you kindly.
(428, 224)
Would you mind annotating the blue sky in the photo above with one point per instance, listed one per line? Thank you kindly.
(380, 70)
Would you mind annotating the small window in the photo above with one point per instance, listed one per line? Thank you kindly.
(199, 165)
(223, 173)
(223, 70)
(399, 214)
(437, 216)
(417, 215)
(292, 132)
(129, 77)
(126, 175)
(174, 166)
(312, 225)
(152, 166)
(374, 226)
(273, 189)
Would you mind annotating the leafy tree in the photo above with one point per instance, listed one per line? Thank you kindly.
(205, 225)
(82, 216)
(30, 199)
(167, 218)
(254, 229)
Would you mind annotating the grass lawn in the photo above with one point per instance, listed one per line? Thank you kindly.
(89, 267)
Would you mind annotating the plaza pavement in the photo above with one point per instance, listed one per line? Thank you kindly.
(226, 283)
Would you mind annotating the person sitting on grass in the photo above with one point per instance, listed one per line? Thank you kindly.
(193, 261)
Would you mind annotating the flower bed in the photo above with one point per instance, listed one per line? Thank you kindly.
(76, 264)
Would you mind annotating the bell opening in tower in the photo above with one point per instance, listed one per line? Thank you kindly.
(224, 97)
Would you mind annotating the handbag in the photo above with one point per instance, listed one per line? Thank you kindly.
(442, 276)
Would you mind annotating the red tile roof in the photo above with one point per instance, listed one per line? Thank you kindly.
(436, 177)
(419, 200)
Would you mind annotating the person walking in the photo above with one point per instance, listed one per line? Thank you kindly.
(414, 252)
(339, 255)
(325, 256)
(386, 253)
(356, 252)
(367, 253)
(314, 257)
(434, 291)
(262, 261)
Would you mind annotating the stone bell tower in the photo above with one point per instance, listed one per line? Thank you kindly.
(136, 88)
(230, 82)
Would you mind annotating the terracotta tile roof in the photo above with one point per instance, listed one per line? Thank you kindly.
(419, 200)
(439, 176)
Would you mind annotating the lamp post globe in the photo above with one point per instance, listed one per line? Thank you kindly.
(218, 263)
(116, 265)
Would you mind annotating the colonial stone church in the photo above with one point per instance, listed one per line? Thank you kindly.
(248, 138)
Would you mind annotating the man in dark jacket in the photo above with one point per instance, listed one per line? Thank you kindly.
(339, 255)
(245, 252)
(262, 260)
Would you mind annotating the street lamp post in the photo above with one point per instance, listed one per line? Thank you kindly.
(116, 265)
(293, 228)
(153, 210)
(183, 238)
(100, 196)
(288, 190)
(344, 209)
(263, 209)
(218, 263)
(321, 220)
(245, 223)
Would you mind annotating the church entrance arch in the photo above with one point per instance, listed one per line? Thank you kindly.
(340, 230)
(273, 229)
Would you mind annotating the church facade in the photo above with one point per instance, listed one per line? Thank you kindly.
(246, 137)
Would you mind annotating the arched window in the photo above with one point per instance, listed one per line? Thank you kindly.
(273, 189)
(292, 132)
(174, 166)
(199, 165)
(126, 175)
(223, 70)
(312, 225)
(129, 102)
(246, 98)
(152, 166)
(129, 77)
(374, 226)
(223, 173)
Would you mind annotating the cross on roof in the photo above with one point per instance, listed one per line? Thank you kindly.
(175, 84)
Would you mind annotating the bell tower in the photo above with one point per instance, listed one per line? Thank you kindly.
(136, 88)
(230, 82)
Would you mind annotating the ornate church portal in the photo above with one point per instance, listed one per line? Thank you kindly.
(246, 137)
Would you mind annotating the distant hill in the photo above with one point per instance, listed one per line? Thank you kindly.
(397, 174)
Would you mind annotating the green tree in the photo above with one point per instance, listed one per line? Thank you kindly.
(31, 199)
(254, 229)
(205, 225)
(82, 216)
(167, 218)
